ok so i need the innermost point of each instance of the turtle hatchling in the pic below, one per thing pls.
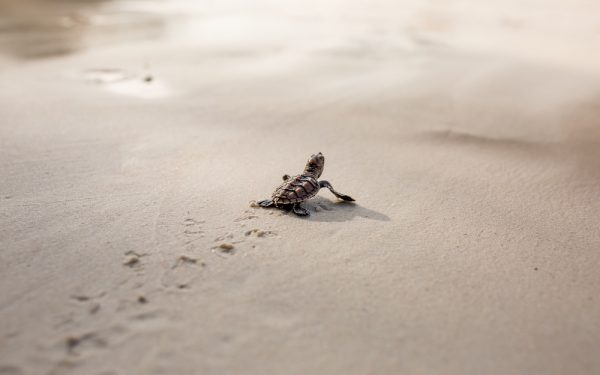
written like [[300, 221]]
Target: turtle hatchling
[[296, 189]]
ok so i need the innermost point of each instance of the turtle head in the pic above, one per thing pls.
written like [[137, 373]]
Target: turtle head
[[315, 165]]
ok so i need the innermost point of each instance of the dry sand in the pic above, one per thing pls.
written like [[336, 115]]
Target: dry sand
[[133, 136]]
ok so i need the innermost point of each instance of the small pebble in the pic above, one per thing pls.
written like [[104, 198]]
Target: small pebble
[[142, 299], [148, 79]]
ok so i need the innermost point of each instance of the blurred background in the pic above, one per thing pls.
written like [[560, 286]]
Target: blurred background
[[535, 29]]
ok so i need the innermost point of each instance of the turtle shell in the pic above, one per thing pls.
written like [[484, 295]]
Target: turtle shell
[[296, 189]]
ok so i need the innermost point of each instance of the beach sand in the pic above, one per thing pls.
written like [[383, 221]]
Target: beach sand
[[134, 136]]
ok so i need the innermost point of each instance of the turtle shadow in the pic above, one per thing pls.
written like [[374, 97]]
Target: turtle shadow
[[325, 210]]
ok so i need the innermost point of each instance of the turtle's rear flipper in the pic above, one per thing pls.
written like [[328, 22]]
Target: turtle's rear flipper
[[265, 203], [326, 184], [299, 210]]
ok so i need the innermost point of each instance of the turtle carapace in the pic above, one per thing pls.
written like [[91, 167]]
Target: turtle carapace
[[296, 189]]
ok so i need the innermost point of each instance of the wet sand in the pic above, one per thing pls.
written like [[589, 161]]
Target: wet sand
[[468, 134]]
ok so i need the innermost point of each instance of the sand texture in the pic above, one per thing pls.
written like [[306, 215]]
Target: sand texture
[[134, 135]]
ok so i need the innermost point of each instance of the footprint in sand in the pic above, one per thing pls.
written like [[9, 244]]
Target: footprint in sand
[[75, 347], [229, 243], [224, 248], [183, 272], [91, 340], [193, 225], [90, 301], [227, 236], [133, 259], [193, 230], [247, 215], [259, 233]]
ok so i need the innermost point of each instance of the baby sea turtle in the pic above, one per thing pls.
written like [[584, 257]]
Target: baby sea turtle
[[296, 189]]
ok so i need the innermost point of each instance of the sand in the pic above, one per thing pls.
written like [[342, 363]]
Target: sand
[[134, 136]]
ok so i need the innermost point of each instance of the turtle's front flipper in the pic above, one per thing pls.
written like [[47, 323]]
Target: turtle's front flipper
[[266, 203], [299, 210], [326, 184]]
